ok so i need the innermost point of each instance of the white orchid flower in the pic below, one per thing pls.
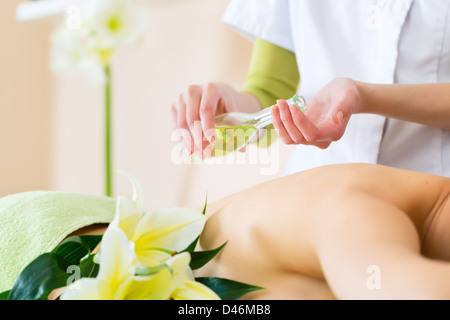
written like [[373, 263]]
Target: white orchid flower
[[114, 22], [104, 26], [73, 52]]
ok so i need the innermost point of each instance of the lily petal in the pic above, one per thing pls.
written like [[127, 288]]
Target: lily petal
[[170, 228], [117, 258], [158, 287], [83, 289], [150, 257], [127, 215], [179, 264], [137, 190], [193, 290]]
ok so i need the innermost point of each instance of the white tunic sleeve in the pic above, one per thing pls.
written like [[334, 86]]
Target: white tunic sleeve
[[266, 19]]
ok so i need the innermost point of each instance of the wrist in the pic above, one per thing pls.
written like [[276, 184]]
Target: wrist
[[364, 101]]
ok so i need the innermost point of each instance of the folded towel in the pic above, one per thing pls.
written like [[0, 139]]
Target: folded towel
[[33, 223]]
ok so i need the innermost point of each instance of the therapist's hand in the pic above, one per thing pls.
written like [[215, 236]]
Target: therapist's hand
[[325, 118], [196, 108]]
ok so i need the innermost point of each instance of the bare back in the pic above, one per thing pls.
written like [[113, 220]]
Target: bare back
[[282, 234]]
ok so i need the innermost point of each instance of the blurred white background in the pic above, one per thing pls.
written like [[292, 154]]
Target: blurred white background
[[51, 127]]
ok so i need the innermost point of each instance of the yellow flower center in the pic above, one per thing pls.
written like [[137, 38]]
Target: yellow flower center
[[114, 24]]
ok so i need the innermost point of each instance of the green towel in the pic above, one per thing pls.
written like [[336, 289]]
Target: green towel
[[33, 223]]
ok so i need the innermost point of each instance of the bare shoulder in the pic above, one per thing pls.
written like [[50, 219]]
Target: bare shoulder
[[395, 185], [271, 214]]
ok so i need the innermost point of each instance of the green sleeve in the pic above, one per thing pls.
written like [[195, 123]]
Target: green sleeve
[[273, 75]]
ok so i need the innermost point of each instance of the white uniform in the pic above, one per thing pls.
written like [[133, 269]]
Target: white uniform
[[384, 41]]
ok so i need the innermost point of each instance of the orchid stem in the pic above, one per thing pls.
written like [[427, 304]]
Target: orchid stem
[[108, 143]]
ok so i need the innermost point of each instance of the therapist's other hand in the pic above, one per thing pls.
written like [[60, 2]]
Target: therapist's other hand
[[195, 110], [325, 118]]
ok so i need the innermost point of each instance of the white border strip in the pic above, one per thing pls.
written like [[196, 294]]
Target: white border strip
[[32, 10]]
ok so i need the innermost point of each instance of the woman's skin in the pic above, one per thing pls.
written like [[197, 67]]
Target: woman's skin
[[352, 231], [328, 232], [325, 118]]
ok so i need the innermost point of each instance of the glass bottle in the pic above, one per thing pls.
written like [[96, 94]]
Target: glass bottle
[[234, 130]]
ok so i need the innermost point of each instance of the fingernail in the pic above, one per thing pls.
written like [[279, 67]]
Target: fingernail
[[339, 116]]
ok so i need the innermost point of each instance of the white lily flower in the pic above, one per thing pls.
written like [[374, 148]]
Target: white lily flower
[[186, 286], [157, 233], [170, 229], [116, 279], [139, 256]]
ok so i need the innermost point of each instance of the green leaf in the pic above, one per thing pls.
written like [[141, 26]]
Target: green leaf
[[44, 274], [228, 289], [74, 249], [200, 258], [4, 295], [88, 268], [192, 246]]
